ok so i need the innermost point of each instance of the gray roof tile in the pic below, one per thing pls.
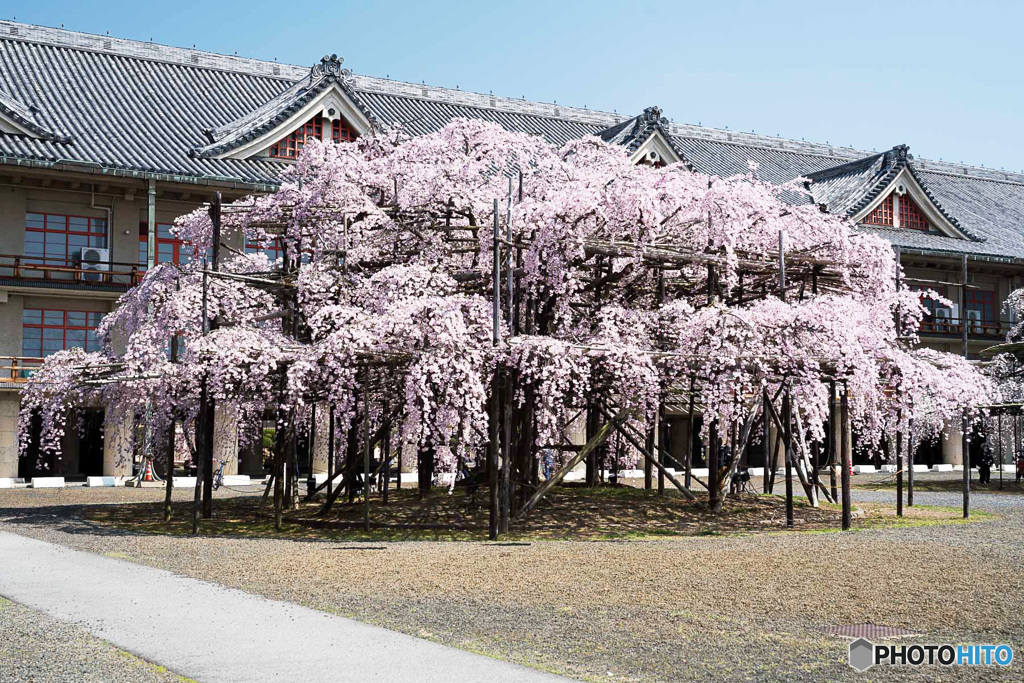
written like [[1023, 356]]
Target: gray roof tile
[[143, 108]]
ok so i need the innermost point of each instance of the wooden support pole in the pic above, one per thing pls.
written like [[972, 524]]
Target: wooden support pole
[[999, 427], [910, 463], [833, 420], [787, 443], [648, 466], [766, 440], [311, 451], [279, 464], [662, 445], [366, 449], [899, 465], [844, 447], [714, 448], [331, 437], [649, 456], [506, 455], [206, 400], [965, 444], [492, 460], [386, 462], [169, 469], [691, 422], [593, 442]]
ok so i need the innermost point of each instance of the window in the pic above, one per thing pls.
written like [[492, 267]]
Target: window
[[910, 215], [881, 215], [983, 302], [291, 145], [57, 239], [273, 249], [46, 331], [169, 249]]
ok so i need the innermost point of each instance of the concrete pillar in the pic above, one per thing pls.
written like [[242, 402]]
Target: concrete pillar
[[117, 452], [225, 437], [321, 445], [952, 446], [9, 435]]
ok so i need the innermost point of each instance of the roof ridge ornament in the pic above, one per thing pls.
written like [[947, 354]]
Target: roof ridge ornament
[[330, 65], [902, 153], [653, 115]]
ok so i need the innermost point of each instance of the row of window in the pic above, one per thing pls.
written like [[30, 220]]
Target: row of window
[[46, 331], [981, 301], [290, 146], [909, 213], [59, 240]]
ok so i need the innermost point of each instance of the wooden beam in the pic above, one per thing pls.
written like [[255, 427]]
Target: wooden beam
[[596, 440]]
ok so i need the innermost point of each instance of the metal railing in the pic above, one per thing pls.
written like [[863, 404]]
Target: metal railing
[[988, 329], [18, 368], [32, 269]]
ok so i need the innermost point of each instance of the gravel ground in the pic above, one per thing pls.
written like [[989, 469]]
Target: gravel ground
[[37, 648], [712, 609]]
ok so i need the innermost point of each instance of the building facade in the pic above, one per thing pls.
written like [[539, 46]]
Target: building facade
[[103, 142]]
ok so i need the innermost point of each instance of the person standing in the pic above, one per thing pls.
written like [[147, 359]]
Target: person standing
[[985, 466]]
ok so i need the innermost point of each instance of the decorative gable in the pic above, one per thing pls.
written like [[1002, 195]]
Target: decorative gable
[[324, 106], [884, 190], [898, 212], [905, 204], [317, 127], [646, 138]]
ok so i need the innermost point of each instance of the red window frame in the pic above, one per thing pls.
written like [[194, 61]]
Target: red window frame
[[54, 324], [176, 247], [273, 250], [981, 300], [290, 145], [881, 214], [911, 216], [61, 237]]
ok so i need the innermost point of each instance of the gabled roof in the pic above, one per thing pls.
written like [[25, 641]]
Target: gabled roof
[[22, 119], [851, 188], [635, 133], [261, 121]]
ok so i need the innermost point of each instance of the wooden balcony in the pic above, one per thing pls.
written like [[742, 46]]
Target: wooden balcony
[[18, 368], [32, 270], [953, 327]]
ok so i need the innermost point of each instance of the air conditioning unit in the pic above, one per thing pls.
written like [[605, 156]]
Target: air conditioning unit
[[94, 262]]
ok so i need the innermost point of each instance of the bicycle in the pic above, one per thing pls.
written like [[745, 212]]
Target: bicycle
[[218, 476]]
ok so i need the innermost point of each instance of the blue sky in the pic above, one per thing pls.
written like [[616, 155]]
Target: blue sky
[[943, 77]]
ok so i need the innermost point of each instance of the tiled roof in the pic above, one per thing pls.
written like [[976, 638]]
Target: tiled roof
[[634, 132], [279, 109], [850, 188], [144, 109]]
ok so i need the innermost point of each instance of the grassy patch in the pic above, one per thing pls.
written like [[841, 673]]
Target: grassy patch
[[571, 512]]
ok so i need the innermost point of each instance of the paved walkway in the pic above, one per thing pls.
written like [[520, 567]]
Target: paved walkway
[[211, 633]]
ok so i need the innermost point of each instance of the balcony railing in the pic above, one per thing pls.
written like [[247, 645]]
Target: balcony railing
[[37, 269], [953, 327], [18, 368]]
